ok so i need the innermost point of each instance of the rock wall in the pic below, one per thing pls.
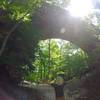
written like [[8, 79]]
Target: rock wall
[[37, 92], [47, 91]]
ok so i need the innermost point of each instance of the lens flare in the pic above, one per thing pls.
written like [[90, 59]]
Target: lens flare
[[80, 8]]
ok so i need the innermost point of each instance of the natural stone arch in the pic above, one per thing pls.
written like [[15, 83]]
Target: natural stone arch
[[55, 22]]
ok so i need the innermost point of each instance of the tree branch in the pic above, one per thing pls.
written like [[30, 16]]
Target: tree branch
[[9, 34]]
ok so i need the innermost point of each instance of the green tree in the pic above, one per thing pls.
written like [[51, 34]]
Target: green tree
[[74, 61], [16, 46], [55, 57], [47, 59]]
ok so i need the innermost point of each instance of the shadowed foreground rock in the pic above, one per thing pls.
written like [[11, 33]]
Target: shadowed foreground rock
[[11, 92], [91, 87]]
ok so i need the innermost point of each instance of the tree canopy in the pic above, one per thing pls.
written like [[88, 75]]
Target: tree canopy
[[16, 39]]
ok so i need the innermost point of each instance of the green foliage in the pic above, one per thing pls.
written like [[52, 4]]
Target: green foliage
[[75, 61], [20, 47], [62, 58], [16, 8], [42, 63]]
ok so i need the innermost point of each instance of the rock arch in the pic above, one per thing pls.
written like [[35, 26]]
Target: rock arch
[[55, 22]]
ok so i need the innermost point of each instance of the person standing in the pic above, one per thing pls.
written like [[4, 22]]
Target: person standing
[[58, 86]]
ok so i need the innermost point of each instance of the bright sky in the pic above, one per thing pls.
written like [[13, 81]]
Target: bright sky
[[80, 8]]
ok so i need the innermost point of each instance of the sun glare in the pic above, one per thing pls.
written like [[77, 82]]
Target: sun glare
[[80, 8]]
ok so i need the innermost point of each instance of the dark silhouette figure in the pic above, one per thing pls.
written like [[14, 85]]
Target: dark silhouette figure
[[58, 86]]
